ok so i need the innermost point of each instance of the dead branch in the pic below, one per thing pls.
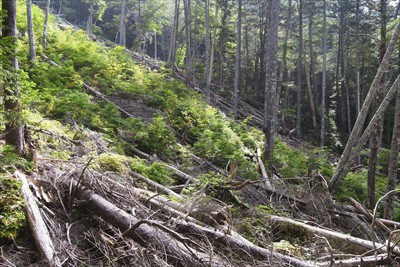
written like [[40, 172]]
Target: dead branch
[[179, 253], [157, 186], [37, 225]]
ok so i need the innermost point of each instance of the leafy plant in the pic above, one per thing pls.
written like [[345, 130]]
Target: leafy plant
[[156, 171]]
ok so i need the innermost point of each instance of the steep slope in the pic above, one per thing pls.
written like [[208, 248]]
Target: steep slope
[[130, 168]]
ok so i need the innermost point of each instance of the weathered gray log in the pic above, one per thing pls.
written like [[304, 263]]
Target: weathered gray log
[[238, 242], [179, 254], [37, 225], [157, 186], [370, 261], [333, 236]]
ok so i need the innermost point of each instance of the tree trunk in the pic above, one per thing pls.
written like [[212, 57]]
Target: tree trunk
[[323, 89], [238, 61], [270, 105], [122, 25], [393, 161], [340, 171], [207, 52], [31, 34], [311, 76], [299, 72], [172, 46], [89, 24], [14, 130], [222, 42], [46, 20], [188, 34], [376, 136]]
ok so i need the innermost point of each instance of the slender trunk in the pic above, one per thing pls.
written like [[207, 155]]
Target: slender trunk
[[283, 76], [188, 55], [323, 89], [207, 55], [212, 43], [341, 171], [89, 25], [310, 94], [312, 75], [172, 47], [376, 136], [237, 63], [31, 34], [155, 44], [299, 72], [393, 161], [222, 43], [270, 105], [12, 104], [122, 24], [46, 20]]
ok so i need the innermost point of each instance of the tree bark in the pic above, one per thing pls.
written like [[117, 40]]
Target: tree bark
[[14, 133], [270, 101], [299, 72], [188, 34], [323, 86], [236, 82], [393, 161], [31, 34], [172, 46], [208, 47], [46, 22], [122, 25]]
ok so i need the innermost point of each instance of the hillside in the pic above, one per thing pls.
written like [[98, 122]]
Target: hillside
[[129, 167]]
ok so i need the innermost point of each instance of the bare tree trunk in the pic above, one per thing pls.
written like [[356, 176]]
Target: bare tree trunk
[[376, 136], [393, 161], [31, 34], [340, 171], [46, 20], [310, 93], [188, 34], [89, 24], [323, 89], [299, 72], [270, 105], [172, 46], [237, 62], [283, 74], [122, 25], [12, 104], [207, 55]]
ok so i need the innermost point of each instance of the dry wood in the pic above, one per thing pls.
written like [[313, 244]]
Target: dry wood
[[336, 237], [178, 252], [157, 186], [368, 215], [264, 174], [239, 243], [370, 261], [37, 225]]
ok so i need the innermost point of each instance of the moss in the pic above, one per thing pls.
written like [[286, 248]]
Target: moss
[[111, 162], [12, 217], [156, 171]]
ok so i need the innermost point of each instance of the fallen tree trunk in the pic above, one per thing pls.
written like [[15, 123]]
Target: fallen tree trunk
[[358, 244], [370, 261], [238, 242], [37, 225], [178, 252]]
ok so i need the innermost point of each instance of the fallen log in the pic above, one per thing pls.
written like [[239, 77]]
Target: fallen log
[[370, 261], [179, 253], [355, 243], [238, 242], [37, 225], [157, 186]]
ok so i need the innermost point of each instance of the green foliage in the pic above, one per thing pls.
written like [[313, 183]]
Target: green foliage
[[355, 185], [156, 171], [8, 158], [292, 161], [12, 217], [111, 162]]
